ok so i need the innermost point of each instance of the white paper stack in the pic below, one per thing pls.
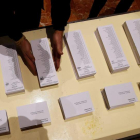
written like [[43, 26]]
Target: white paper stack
[[10, 69], [4, 125], [44, 63], [119, 95], [132, 30], [75, 105], [111, 48], [81, 60], [33, 115]]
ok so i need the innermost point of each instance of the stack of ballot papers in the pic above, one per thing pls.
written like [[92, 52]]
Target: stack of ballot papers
[[79, 55], [75, 105], [44, 62], [4, 125], [132, 30], [111, 48], [32, 115], [10, 69], [119, 95]]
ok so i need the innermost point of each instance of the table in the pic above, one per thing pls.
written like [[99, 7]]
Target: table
[[102, 124]]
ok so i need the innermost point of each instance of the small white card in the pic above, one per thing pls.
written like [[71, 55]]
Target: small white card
[[121, 94], [10, 69], [112, 48], [75, 105], [33, 115], [4, 126], [80, 55], [44, 62]]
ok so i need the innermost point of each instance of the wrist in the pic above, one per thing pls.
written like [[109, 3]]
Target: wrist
[[18, 43], [59, 33]]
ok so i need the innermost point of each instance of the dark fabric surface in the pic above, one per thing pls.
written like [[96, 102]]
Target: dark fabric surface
[[17, 16], [123, 6]]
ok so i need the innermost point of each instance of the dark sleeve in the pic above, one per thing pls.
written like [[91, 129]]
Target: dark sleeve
[[60, 13], [8, 24]]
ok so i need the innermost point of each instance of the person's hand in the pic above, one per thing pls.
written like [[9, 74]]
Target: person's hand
[[25, 51], [56, 43]]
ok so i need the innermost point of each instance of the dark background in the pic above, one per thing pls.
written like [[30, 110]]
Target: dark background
[[80, 10]]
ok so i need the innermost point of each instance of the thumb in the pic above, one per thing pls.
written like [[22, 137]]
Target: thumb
[[59, 49], [30, 56]]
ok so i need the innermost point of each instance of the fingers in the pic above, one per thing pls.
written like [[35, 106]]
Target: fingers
[[56, 58], [30, 65], [57, 61], [57, 52], [59, 49], [30, 55], [57, 46]]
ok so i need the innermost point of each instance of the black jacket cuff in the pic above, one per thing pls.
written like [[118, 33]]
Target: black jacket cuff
[[15, 36], [60, 28]]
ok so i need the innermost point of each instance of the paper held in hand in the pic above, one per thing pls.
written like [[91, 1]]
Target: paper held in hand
[[44, 62]]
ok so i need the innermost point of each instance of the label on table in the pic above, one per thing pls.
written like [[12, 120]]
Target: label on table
[[44, 62], [120, 94], [80, 54], [11, 69], [77, 104], [112, 47], [134, 29], [33, 114], [4, 127]]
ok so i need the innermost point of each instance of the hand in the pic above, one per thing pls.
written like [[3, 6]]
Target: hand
[[56, 43], [25, 51]]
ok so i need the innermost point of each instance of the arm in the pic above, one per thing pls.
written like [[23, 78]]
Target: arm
[[8, 25], [60, 13]]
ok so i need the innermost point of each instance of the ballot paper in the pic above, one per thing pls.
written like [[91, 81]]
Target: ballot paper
[[33, 115], [4, 125], [132, 30], [119, 95], [111, 48], [79, 55], [10, 69], [75, 105], [44, 63]]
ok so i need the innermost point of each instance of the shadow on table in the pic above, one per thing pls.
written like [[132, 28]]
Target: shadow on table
[[37, 132]]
